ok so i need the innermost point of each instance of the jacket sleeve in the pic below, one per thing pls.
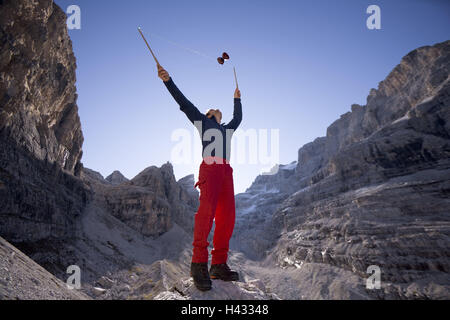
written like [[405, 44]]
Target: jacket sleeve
[[237, 115], [186, 106]]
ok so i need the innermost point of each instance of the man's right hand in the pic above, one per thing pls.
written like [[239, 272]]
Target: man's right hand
[[163, 74]]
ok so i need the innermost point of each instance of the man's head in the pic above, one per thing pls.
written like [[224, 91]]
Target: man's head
[[214, 113]]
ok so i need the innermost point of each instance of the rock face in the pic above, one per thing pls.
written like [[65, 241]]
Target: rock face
[[40, 131], [187, 183], [37, 82], [254, 232], [116, 178], [150, 203], [374, 191], [23, 279]]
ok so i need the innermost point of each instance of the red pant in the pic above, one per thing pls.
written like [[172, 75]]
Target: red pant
[[216, 203]]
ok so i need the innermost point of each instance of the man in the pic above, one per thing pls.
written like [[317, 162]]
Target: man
[[216, 187]]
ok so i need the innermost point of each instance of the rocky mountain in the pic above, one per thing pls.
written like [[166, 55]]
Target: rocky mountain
[[187, 183], [150, 203], [254, 232], [40, 131], [374, 191], [37, 83], [116, 178]]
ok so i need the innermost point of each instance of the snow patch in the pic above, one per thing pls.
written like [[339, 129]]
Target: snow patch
[[248, 210], [291, 166], [404, 118]]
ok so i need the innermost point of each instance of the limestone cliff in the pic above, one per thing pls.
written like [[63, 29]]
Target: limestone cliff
[[116, 178], [37, 82], [374, 191], [40, 131], [150, 203]]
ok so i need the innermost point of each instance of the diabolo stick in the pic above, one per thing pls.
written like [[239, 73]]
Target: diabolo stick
[[235, 78], [151, 51]]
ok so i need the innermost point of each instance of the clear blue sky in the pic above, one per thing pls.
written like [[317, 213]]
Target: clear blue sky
[[301, 64]]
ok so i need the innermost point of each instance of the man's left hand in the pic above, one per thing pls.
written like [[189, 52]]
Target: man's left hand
[[237, 93]]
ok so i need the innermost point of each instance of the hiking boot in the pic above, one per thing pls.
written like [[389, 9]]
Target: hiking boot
[[223, 272], [199, 271]]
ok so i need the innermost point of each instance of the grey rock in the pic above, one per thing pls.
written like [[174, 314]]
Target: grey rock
[[254, 232], [221, 290], [374, 191], [90, 176], [105, 282], [41, 195], [97, 291], [21, 278], [37, 83], [116, 178], [150, 203], [187, 183]]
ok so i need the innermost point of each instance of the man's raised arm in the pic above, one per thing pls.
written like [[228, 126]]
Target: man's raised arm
[[185, 105], [237, 113]]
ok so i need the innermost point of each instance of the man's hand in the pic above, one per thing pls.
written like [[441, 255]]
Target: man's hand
[[163, 74], [237, 93]]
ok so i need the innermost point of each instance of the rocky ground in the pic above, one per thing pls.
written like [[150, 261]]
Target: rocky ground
[[221, 290], [23, 279]]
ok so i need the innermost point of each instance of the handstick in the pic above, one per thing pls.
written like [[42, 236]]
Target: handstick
[[235, 78], [151, 51]]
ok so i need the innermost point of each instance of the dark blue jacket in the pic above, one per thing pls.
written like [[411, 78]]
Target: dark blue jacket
[[197, 118]]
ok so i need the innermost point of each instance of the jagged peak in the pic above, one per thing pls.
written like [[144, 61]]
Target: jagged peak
[[401, 75], [188, 177], [116, 178]]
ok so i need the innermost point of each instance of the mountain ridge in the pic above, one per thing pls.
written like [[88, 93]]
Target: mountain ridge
[[384, 167]]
